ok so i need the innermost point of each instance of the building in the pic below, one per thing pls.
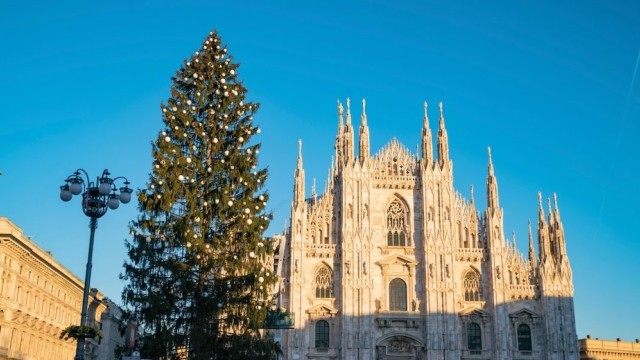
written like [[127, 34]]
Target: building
[[112, 327], [391, 262], [596, 349], [38, 299]]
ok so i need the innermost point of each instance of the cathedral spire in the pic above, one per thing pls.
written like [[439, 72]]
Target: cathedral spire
[[443, 142], [364, 149], [532, 252], [492, 186], [348, 137], [552, 218], [299, 163], [540, 210], [340, 113], [473, 199], [559, 233], [348, 112], [339, 145], [314, 195], [427, 142], [298, 184], [556, 211], [494, 212], [543, 233]]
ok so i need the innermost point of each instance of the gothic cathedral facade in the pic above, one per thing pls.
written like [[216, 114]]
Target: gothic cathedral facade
[[391, 262]]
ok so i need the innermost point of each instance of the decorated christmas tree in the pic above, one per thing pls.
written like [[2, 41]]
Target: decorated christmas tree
[[196, 281]]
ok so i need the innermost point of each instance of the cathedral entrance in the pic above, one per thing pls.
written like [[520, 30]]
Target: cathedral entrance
[[398, 347]]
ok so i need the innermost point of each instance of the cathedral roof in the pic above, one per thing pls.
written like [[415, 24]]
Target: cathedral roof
[[394, 156]]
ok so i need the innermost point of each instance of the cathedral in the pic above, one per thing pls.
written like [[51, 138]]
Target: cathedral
[[391, 262]]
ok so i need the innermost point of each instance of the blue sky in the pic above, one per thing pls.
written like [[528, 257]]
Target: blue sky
[[548, 85]]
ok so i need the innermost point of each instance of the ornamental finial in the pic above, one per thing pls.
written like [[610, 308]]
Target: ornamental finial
[[540, 199], [472, 196]]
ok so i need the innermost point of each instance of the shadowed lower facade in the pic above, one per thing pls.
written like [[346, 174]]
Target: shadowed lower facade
[[391, 262]]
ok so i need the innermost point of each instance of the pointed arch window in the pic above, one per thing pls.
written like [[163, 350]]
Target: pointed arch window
[[323, 282], [397, 295], [397, 223], [322, 334], [472, 286], [524, 337], [474, 338]]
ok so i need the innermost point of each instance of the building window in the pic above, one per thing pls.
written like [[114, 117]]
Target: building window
[[472, 286], [397, 221], [397, 295], [322, 334], [474, 338], [524, 337], [323, 282]]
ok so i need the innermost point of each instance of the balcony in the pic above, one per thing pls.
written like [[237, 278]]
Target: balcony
[[321, 250]]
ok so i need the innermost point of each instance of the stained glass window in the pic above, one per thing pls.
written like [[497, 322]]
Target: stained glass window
[[397, 295], [524, 337], [474, 337], [322, 334], [323, 282]]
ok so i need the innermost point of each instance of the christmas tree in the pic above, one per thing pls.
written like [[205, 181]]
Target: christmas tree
[[196, 280]]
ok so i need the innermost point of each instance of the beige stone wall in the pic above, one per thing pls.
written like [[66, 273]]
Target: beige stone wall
[[38, 299], [595, 349]]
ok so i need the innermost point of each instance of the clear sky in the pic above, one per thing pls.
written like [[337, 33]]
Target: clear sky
[[549, 85]]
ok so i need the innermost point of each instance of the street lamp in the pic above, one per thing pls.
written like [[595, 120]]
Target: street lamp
[[97, 198]]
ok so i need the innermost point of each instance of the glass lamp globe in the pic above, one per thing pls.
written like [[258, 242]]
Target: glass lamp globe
[[76, 186], [125, 195], [113, 201], [105, 186], [65, 194]]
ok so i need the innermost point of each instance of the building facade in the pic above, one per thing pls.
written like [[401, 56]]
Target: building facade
[[38, 299], [112, 327], [391, 262], [596, 349]]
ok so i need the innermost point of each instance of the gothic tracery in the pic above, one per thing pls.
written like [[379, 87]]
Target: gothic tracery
[[397, 224], [323, 282], [472, 286]]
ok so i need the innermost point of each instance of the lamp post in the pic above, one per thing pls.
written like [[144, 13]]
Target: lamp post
[[97, 198]]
